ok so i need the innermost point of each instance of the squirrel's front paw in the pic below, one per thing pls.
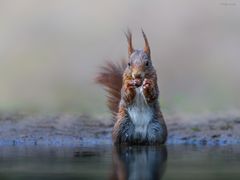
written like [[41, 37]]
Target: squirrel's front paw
[[129, 91], [148, 84], [148, 89]]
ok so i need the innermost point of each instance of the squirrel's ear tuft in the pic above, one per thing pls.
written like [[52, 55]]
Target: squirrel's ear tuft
[[129, 39], [146, 46]]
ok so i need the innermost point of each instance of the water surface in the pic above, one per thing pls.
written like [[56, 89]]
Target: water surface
[[107, 162]]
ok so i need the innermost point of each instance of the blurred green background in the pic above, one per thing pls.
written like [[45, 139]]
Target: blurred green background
[[50, 52]]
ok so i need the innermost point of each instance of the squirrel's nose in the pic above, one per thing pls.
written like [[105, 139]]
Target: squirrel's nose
[[137, 75]]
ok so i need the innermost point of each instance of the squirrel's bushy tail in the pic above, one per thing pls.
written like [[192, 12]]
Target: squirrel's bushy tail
[[110, 76]]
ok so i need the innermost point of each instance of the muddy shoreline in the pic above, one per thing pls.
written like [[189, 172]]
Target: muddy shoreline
[[82, 130]]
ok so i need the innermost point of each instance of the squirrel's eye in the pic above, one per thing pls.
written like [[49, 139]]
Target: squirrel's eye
[[147, 63], [129, 64]]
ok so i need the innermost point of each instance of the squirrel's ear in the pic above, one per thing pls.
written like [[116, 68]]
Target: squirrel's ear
[[146, 46], [129, 39]]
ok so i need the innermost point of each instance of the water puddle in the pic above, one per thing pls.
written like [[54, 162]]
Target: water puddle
[[108, 162]]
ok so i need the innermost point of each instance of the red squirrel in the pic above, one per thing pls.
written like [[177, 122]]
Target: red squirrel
[[133, 98]]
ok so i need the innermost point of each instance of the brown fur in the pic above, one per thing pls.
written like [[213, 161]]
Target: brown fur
[[123, 82], [129, 39], [110, 76]]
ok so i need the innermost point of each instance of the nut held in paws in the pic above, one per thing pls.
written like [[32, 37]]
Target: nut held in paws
[[137, 82]]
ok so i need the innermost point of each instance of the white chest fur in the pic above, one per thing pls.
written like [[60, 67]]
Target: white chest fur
[[140, 113]]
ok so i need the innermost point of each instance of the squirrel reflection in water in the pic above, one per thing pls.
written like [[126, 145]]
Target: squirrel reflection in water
[[139, 162]]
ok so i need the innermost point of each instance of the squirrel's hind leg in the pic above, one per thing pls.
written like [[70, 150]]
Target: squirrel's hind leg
[[156, 132], [123, 131]]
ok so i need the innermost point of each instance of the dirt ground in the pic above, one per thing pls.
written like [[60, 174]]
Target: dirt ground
[[80, 130]]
